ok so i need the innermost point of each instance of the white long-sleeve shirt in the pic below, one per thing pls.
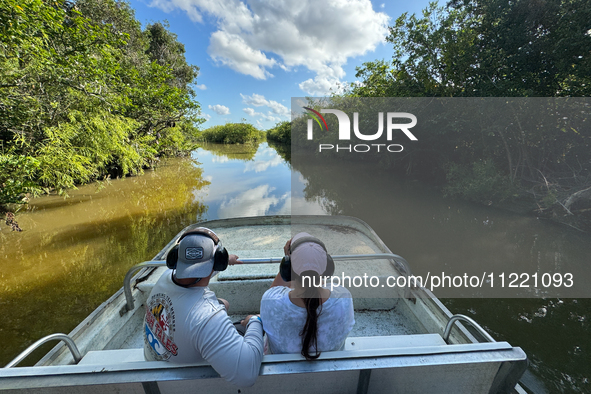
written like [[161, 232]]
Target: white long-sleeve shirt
[[188, 325]]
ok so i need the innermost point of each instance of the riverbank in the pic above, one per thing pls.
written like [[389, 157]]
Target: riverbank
[[131, 101]]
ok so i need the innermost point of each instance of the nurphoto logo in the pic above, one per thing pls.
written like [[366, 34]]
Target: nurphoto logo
[[345, 130]]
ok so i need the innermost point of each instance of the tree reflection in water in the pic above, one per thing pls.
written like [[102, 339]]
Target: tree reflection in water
[[441, 234], [74, 253]]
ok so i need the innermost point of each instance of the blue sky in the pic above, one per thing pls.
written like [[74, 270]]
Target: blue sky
[[255, 55]]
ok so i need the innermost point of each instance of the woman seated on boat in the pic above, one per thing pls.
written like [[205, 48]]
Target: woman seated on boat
[[299, 315]]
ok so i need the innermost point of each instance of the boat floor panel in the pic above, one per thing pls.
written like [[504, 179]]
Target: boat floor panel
[[367, 324], [380, 323]]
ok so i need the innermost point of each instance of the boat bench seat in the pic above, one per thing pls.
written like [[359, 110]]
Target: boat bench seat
[[353, 345], [414, 364]]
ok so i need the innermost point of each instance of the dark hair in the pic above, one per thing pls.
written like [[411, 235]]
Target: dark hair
[[312, 301]]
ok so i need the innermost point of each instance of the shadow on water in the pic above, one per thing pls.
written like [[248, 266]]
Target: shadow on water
[[70, 260]]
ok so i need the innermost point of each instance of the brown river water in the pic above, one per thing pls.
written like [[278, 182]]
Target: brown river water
[[74, 252]]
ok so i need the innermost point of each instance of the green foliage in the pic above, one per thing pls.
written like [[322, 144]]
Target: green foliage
[[233, 133], [165, 50], [482, 182], [495, 48], [179, 140], [280, 133], [16, 174], [378, 80], [84, 92], [486, 48], [86, 148]]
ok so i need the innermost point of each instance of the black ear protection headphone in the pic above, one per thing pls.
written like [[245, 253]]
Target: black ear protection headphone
[[220, 257], [285, 265]]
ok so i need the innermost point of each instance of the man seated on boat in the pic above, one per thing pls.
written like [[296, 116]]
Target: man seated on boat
[[186, 323], [299, 314]]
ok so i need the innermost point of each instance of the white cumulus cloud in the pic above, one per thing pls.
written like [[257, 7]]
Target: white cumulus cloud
[[251, 112], [254, 36], [220, 109], [201, 87], [231, 50], [322, 86], [258, 100]]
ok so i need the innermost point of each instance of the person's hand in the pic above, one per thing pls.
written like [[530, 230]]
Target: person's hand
[[246, 319], [233, 260], [286, 248]]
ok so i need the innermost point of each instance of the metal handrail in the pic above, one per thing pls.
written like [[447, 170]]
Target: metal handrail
[[127, 280], [63, 337], [343, 257], [466, 319], [399, 259], [257, 260]]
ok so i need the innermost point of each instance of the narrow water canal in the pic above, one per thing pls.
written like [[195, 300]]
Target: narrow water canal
[[74, 252]]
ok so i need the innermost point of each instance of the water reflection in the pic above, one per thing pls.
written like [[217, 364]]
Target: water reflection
[[265, 158], [74, 253], [555, 333], [259, 201], [225, 152], [436, 234], [244, 183]]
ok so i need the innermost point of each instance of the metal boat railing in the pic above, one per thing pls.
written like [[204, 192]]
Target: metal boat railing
[[466, 319], [268, 260], [62, 337], [127, 280]]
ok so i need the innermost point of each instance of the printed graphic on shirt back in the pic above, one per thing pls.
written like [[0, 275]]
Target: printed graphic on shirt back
[[159, 326]]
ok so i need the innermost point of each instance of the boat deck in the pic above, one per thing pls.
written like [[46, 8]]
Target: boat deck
[[367, 324]]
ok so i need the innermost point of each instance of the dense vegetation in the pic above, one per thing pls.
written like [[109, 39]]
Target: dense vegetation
[[495, 48], [281, 133], [233, 133], [85, 93]]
